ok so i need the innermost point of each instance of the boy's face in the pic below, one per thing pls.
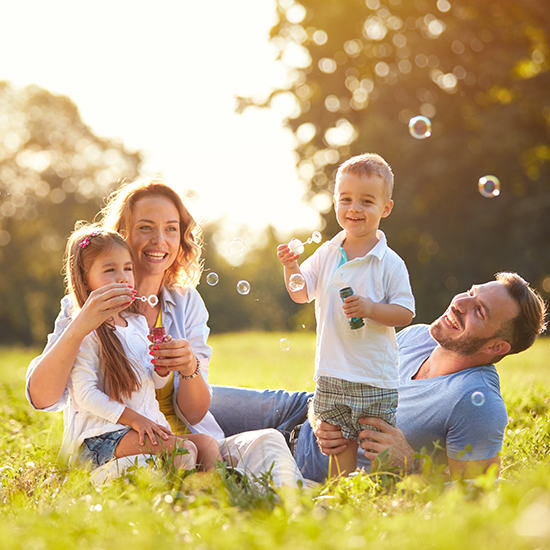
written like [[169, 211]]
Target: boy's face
[[360, 202]]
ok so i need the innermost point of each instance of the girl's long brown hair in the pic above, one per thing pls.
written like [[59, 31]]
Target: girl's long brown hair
[[120, 378]]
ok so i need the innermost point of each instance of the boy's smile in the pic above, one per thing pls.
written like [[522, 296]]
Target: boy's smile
[[360, 202]]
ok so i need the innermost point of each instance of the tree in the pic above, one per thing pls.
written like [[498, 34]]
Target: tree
[[53, 171], [479, 71]]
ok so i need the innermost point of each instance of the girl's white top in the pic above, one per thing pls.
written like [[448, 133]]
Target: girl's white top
[[94, 412]]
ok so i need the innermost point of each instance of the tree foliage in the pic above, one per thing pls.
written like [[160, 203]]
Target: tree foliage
[[479, 70], [53, 171]]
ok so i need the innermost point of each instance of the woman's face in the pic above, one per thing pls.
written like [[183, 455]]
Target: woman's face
[[154, 235]]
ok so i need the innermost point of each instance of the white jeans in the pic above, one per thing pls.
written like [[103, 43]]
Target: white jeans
[[261, 451], [255, 452]]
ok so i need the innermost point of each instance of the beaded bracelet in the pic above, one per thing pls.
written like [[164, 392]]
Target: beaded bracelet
[[183, 377]]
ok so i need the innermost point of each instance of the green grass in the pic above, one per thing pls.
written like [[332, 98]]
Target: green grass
[[43, 506]]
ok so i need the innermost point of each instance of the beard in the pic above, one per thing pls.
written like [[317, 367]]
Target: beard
[[466, 346]]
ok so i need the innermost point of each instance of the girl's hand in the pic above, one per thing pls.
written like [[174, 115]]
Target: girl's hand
[[286, 256], [103, 303], [143, 426], [173, 354], [358, 306]]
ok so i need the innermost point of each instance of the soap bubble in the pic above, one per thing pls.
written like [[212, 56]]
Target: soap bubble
[[243, 287], [236, 247], [296, 282], [296, 246], [489, 186], [420, 127], [284, 344], [316, 237], [212, 279], [478, 398]]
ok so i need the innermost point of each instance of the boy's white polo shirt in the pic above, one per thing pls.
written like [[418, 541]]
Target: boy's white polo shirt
[[368, 354]]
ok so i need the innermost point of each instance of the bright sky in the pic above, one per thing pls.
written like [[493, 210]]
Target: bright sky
[[163, 77]]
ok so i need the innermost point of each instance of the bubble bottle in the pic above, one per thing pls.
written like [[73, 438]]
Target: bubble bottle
[[354, 322], [158, 334]]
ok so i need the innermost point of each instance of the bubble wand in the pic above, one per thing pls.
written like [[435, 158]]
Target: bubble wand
[[297, 246]]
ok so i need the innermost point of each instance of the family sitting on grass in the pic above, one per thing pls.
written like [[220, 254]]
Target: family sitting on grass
[[125, 396]]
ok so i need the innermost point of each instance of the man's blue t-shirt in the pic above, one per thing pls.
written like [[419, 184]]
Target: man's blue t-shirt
[[463, 411]]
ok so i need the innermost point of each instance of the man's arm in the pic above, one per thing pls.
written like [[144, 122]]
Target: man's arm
[[401, 453]]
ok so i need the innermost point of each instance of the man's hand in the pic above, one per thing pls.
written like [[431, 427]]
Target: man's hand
[[389, 437]]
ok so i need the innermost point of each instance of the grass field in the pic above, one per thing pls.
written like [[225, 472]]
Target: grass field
[[45, 507]]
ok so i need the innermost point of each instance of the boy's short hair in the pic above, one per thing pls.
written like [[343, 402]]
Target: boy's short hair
[[368, 164]]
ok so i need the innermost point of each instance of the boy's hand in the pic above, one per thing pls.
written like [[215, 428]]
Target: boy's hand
[[358, 306], [286, 256]]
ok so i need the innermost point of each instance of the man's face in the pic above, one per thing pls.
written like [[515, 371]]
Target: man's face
[[473, 318]]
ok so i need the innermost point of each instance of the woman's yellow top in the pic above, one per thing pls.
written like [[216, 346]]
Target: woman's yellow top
[[165, 397]]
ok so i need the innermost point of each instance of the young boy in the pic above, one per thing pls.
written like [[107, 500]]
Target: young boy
[[356, 370]]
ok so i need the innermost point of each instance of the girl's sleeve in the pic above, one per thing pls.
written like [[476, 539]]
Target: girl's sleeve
[[84, 384], [61, 323]]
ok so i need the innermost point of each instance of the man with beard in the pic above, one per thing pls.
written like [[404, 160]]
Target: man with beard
[[449, 394]]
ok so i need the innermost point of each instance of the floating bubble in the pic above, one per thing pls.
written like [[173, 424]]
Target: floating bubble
[[243, 287], [212, 279], [478, 398], [420, 127], [296, 282], [236, 247], [284, 344], [489, 186]]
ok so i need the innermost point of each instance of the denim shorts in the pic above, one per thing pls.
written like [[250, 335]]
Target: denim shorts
[[98, 450]]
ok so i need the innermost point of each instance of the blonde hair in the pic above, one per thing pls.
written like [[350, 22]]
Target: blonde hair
[[368, 164], [187, 268], [85, 245]]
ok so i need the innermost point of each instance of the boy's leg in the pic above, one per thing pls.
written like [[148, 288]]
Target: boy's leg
[[344, 463], [240, 410]]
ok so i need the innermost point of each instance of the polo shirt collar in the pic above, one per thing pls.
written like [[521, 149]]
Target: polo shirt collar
[[378, 250]]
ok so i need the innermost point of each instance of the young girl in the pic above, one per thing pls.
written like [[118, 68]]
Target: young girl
[[112, 384]]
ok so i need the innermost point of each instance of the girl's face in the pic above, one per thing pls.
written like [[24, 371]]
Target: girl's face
[[113, 266], [154, 235]]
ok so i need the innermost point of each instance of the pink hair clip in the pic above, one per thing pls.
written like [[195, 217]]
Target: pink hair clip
[[86, 241]]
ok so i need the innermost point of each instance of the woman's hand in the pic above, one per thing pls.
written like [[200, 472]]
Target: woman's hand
[[143, 426], [173, 354], [103, 303]]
